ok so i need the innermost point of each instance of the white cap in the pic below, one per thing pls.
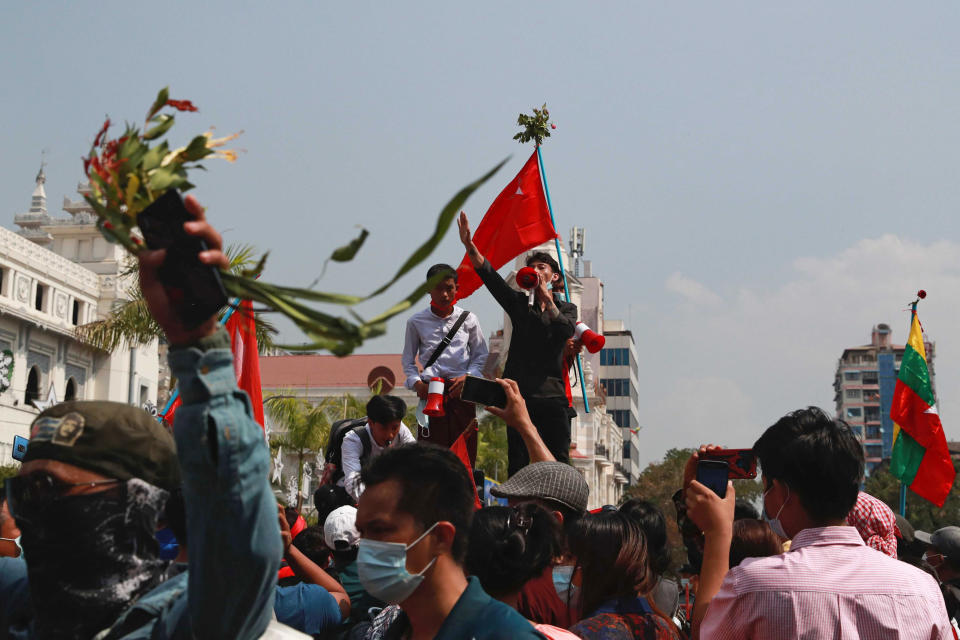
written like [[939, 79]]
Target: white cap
[[341, 524]]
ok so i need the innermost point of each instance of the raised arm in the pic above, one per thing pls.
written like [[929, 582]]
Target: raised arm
[[310, 571], [516, 416], [234, 545], [501, 291]]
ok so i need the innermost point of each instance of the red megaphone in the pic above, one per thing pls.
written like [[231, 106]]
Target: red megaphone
[[434, 407], [528, 278], [592, 340]]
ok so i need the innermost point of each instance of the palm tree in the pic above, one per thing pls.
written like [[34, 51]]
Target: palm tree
[[304, 428]]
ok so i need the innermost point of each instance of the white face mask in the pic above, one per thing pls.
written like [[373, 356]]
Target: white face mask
[[382, 569], [775, 525]]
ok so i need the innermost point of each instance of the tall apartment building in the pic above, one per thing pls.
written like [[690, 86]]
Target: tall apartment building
[[863, 386], [619, 378]]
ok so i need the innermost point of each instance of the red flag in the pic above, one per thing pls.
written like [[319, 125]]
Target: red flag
[[246, 357], [518, 220], [459, 448], [172, 411]]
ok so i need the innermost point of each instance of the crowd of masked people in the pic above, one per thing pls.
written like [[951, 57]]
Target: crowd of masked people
[[118, 527]]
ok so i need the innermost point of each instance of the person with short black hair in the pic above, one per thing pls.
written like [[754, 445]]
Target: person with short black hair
[[509, 546], [536, 352], [414, 518], [812, 468], [384, 429], [449, 344]]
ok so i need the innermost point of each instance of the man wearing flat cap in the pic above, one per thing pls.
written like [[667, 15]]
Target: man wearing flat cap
[[97, 475]]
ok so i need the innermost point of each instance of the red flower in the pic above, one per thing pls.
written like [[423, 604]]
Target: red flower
[[921, 294], [103, 130], [181, 105]]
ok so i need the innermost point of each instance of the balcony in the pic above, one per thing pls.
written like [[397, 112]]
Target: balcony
[[30, 218]]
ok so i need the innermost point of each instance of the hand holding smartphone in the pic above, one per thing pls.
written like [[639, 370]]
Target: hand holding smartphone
[[486, 393], [742, 463], [714, 475], [195, 290]]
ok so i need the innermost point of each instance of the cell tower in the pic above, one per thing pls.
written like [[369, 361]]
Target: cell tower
[[576, 249]]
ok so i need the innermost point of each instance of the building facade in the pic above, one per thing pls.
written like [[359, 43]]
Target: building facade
[[57, 274], [619, 377], [863, 385]]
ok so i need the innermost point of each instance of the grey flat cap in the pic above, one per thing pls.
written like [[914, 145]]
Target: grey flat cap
[[547, 481]]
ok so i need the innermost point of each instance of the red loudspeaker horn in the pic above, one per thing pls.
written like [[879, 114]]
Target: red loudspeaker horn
[[592, 340], [528, 278], [434, 407]]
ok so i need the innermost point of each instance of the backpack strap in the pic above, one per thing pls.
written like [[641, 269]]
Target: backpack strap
[[445, 342], [364, 436]]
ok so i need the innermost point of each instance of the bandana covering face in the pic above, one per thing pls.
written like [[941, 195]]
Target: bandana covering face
[[91, 556]]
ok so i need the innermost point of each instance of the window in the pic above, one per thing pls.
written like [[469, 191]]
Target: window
[[76, 312], [871, 414], [851, 375], [38, 301], [616, 386], [626, 449], [854, 412], [71, 391], [853, 394], [33, 386], [874, 450], [858, 431], [873, 432], [621, 417], [1, 280], [615, 357], [870, 377]]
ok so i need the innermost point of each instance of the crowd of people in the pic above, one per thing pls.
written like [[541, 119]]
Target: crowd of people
[[118, 527]]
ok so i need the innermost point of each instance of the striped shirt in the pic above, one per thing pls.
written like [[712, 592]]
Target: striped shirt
[[830, 585]]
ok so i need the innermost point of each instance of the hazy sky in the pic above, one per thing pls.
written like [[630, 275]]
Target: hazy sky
[[760, 184]]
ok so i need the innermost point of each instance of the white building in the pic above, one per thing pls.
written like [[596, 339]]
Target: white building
[[56, 274]]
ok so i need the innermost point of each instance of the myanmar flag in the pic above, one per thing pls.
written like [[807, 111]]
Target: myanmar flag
[[920, 457]]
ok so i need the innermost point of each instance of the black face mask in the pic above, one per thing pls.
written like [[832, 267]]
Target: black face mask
[[91, 556]]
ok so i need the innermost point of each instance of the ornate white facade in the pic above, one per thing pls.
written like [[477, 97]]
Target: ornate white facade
[[56, 274]]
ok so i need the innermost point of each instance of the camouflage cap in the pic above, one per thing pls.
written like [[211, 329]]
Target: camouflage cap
[[114, 439]]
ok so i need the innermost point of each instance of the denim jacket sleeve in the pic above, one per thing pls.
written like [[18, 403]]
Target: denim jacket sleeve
[[233, 539]]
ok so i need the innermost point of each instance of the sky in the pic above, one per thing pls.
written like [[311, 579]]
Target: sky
[[760, 183]]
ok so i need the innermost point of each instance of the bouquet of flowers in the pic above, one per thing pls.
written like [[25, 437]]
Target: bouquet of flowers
[[129, 173]]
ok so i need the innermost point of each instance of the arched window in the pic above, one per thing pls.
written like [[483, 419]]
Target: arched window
[[33, 386], [71, 392]]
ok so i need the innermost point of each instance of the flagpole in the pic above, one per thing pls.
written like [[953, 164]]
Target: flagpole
[[903, 487], [234, 304], [563, 275]]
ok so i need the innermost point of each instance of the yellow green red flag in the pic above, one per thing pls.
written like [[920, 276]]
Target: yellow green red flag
[[920, 457]]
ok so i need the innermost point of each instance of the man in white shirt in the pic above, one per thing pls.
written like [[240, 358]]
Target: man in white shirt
[[384, 429], [466, 354]]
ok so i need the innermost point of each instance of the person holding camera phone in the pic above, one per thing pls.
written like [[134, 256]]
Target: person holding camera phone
[[97, 475], [830, 583], [449, 343], [536, 358]]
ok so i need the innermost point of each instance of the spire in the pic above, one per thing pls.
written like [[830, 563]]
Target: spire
[[38, 202], [31, 221]]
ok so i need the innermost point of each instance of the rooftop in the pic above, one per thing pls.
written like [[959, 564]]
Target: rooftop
[[324, 371]]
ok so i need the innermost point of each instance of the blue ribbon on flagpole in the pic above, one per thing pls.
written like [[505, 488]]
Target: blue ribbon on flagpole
[[234, 304], [563, 274]]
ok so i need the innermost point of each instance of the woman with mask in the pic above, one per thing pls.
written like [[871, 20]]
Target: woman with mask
[[612, 559], [509, 546]]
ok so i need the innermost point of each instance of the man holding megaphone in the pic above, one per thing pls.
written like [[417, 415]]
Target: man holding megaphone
[[449, 344], [536, 352]]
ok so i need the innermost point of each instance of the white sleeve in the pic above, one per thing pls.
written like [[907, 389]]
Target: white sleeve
[[411, 345], [478, 349], [404, 436], [350, 452]]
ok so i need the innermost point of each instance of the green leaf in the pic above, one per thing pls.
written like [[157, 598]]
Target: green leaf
[[196, 150], [446, 217], [161, 100], [167, 177], [153, 157], [166, 121]]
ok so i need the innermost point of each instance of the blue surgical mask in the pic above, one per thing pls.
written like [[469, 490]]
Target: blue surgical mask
[[562, 583], [775, 525], [382, 569]]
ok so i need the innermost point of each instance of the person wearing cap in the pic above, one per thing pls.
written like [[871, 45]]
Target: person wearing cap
[[943, 556], [97, 474], [340, 534], [830, 584]]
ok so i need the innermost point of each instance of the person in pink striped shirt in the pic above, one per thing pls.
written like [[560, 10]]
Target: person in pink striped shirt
[[830, 584]]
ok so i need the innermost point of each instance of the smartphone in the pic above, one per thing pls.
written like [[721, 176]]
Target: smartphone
[[742, 462], [486, 393], [19, 447], [714, 475], [195, 290]]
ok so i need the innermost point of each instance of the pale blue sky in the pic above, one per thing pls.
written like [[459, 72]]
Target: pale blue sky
[[760, 182]]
